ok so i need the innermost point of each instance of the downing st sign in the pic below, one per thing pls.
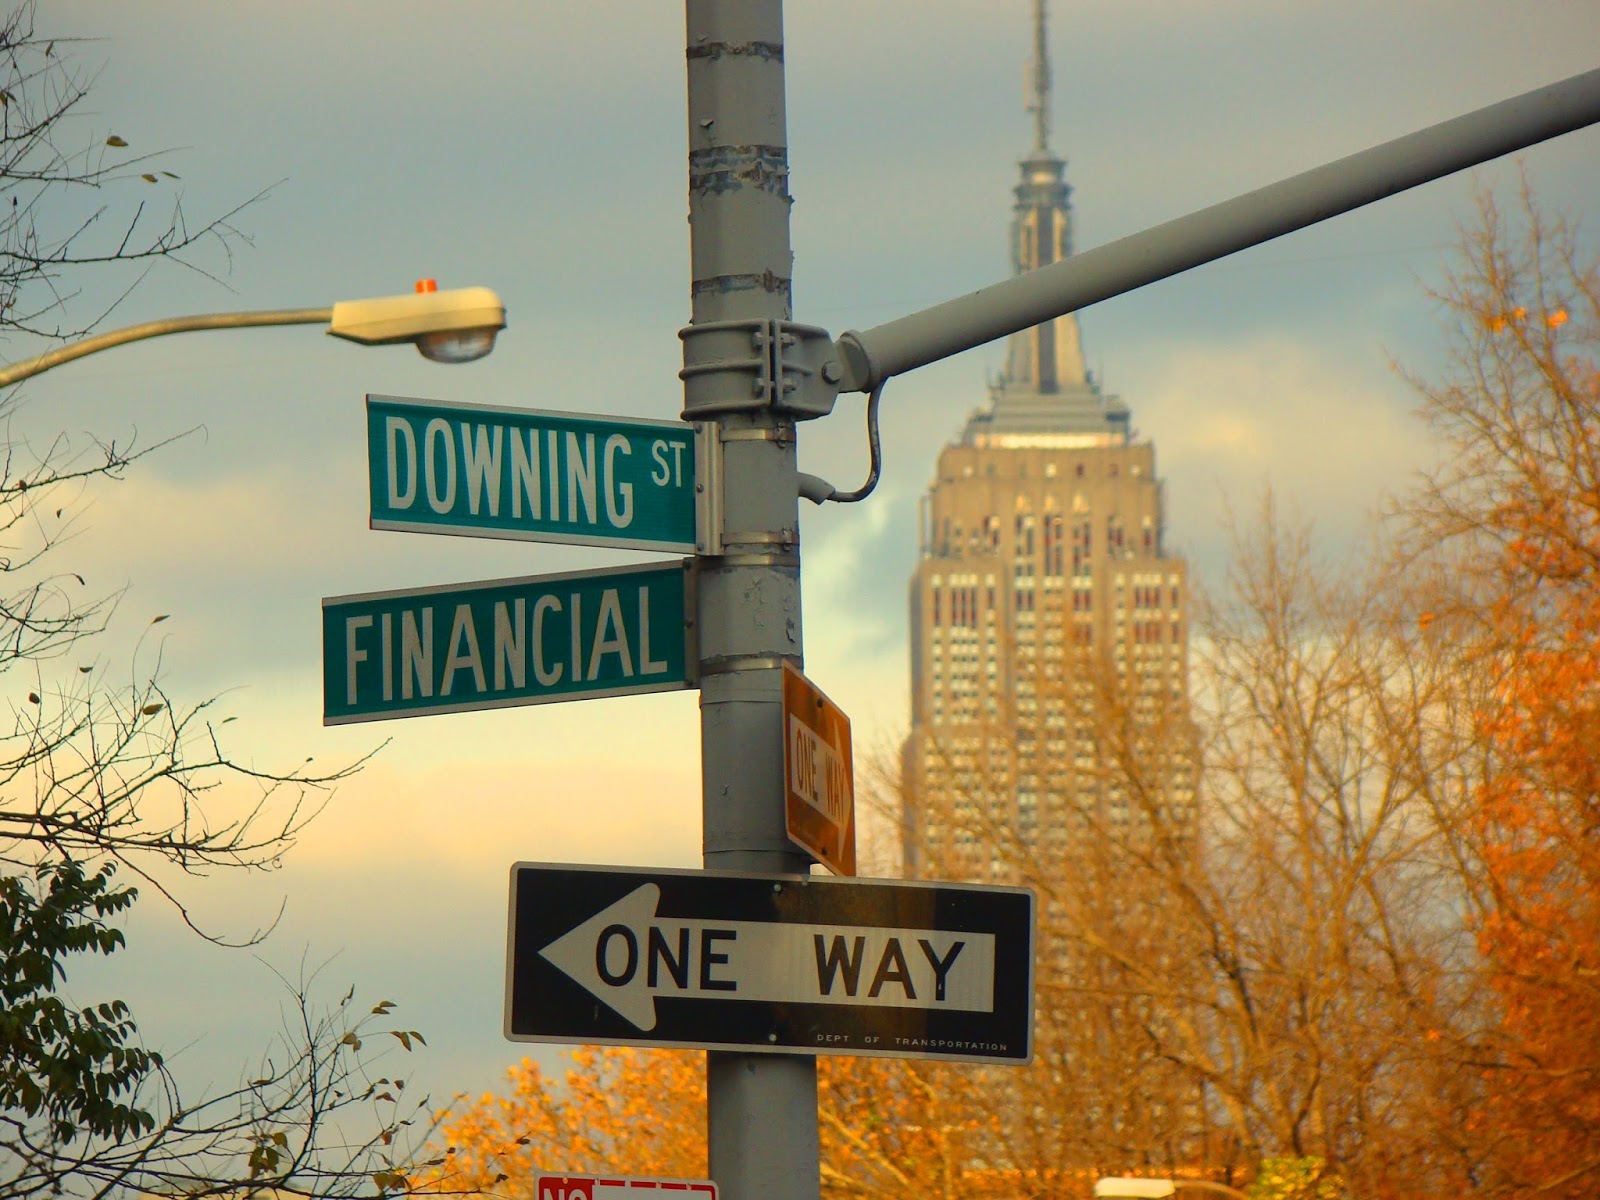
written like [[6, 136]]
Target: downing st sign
[[436, 466]]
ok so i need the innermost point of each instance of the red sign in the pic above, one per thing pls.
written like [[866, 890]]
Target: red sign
[[819, 788], [602, 1187]]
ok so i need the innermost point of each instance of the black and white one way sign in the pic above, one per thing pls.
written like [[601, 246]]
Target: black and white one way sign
[[770, 962]]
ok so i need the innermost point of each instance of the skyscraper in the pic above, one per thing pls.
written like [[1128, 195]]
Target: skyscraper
[[1042, 578]]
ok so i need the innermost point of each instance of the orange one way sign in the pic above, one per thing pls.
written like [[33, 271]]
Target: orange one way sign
[[819, 772]]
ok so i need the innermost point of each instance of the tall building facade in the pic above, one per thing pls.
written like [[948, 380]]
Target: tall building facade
[[1042, 578]]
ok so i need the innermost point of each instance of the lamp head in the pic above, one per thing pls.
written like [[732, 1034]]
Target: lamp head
[[453, 326]]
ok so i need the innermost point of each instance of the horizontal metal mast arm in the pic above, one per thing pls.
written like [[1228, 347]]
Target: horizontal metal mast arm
[[1023, 301], [150, 329]]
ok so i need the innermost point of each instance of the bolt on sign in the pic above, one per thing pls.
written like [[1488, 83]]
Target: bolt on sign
[[607, 1187], [819, 771], [506, 642], [795, 964], [436, 466]]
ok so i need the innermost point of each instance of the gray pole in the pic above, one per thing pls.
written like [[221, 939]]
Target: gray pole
[[761, 1108], [1073, 283]]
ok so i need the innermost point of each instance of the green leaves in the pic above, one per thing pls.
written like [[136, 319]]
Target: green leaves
[[75, 1067]]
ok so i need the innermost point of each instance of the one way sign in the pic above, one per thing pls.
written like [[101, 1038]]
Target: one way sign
[[788, 963]]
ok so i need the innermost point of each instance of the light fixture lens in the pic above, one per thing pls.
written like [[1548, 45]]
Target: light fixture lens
[[456, 345]]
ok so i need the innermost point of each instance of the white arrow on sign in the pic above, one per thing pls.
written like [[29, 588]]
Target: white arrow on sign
[[626, 956]]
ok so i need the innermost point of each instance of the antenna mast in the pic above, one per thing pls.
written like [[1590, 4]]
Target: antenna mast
[[1039, 103]]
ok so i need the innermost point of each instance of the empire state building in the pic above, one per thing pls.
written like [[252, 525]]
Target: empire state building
[[1042, 579]]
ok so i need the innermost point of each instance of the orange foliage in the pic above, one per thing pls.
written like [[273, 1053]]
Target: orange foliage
[[1539, 825], [898, 1127], [1527, 425], [639, 1112], [889, 1128]]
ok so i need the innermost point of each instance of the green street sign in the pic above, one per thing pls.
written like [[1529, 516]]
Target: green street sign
[[487, 471], [506, 642]]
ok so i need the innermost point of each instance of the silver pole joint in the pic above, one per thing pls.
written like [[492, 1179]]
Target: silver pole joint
[[729, 664], [781, 366]]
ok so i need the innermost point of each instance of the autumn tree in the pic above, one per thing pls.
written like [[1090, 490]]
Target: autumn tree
[[1256, 957], [1254, 954], [889, 1128], [614, 1108], [1518, 501], [1375, 947]]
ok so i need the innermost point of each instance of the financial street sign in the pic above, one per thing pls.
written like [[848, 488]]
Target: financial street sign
[[784, 963], [506, 642], [608, 1187], [819, 774], [485, 471]]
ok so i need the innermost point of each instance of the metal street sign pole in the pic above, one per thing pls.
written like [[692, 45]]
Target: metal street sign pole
[[761, 1108]]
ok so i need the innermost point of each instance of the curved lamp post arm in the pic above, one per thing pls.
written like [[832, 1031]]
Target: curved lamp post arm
[[151, 329], [451, 326]]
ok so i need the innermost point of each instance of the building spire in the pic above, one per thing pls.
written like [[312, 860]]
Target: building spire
[[1047, 358], [1045, 389], [1039, 81]]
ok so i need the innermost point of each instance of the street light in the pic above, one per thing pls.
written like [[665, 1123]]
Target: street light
[[451, 327], [1122, 1187]]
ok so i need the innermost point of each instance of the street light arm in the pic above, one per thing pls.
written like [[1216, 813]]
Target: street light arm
[[453, 326], [1021, 302], [151, 329]]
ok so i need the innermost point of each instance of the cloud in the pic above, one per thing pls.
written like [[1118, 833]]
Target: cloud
[[1331, 435], [582, 806]]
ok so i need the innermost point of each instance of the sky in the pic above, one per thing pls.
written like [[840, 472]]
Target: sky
[[538, 148]]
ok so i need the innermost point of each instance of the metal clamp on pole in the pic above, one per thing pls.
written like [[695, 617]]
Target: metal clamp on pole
[[708, 489], [792, 369], [806, 370]]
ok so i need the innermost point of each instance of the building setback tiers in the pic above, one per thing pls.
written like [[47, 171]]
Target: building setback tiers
[[1041, 577]]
